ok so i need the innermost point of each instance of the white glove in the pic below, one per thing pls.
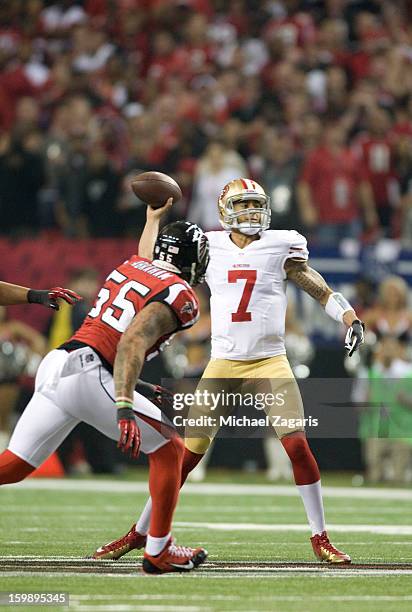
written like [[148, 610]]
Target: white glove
[[354, 337]]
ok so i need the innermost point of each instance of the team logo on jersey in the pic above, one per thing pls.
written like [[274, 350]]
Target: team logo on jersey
[[187, 308]]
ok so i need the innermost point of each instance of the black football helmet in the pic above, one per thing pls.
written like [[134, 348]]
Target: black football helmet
[[183, 248]]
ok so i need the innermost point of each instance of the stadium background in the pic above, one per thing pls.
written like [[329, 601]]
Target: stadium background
[[311, 99]]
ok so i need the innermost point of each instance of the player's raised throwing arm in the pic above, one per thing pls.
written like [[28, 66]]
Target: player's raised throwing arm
[[11, 295], [151, 323], [151, 229], [335, 305]]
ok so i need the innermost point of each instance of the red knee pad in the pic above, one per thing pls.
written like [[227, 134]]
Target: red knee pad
[[12, 468], [305, 468]]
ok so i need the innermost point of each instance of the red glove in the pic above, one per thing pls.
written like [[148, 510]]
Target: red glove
[[129, 432], [49, 297]]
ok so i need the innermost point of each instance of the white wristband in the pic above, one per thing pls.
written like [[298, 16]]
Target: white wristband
[[336, 306]]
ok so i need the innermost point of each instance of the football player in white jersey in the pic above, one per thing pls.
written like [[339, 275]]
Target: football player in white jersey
[[247, 275]]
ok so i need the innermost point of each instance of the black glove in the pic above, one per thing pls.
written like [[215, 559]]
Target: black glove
[[354, 337], [160, 396], [49, 297]]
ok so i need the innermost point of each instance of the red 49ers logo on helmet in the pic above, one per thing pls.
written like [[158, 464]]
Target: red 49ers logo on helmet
[[224, 191]]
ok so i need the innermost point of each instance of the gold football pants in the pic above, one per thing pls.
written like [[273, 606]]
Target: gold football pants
[[271, 377]]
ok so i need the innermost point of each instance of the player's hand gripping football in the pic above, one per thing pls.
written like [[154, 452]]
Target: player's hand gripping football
[[50, 297], [129, 439], [158, 213], [354, 337]]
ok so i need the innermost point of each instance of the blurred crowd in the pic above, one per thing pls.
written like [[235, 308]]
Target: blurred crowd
[[313, 99]]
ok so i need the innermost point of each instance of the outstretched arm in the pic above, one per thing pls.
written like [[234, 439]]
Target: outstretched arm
[[151, 229], [306, 278], [313, 283], [154, 321], [11, 295], [336, 306]]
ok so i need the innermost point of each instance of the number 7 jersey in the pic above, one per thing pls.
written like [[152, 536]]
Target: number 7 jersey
[[128, 289], [248, 293]]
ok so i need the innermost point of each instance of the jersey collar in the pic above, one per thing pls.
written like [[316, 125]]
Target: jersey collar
[[245, 248]]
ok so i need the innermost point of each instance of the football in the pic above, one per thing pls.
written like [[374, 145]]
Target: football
[[155, 188]]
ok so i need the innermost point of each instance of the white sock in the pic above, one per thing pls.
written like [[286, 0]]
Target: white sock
[[143, 522], [312, 500], [154, 546]]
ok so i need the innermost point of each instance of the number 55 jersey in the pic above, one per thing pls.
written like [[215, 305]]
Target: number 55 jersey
[[248, 293], [128, 289]]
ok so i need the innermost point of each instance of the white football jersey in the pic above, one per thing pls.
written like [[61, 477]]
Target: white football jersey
[[248, 293]]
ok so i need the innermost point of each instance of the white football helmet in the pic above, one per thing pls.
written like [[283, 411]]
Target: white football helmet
[[242, 190]]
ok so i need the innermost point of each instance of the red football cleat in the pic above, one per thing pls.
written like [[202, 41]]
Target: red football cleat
[[325, 551], [116, 549], [174, 559]]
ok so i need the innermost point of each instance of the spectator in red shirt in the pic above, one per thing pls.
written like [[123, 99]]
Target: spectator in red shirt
[[333, 190], [375, 151], [404, 168], [162, 61]]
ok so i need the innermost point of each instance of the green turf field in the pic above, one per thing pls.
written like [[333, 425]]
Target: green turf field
[[254, 534]]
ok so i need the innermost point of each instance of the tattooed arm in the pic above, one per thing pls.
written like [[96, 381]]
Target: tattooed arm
[[336, 306], [154, 321], [306, 278]]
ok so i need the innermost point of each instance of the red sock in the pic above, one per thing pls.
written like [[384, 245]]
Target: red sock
[[165, 466], [190, 461], [12, 468], [305, 468]]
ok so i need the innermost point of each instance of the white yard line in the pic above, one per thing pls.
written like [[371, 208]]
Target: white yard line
[[395, 530], [360, 598], [274, 598], [292, 573], [276, 574], [19, 574], [116, 486], [338, 528], [128, 608], [74, 599]]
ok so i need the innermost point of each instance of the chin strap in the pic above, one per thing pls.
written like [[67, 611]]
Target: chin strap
[[247, 231], [250, 231]]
